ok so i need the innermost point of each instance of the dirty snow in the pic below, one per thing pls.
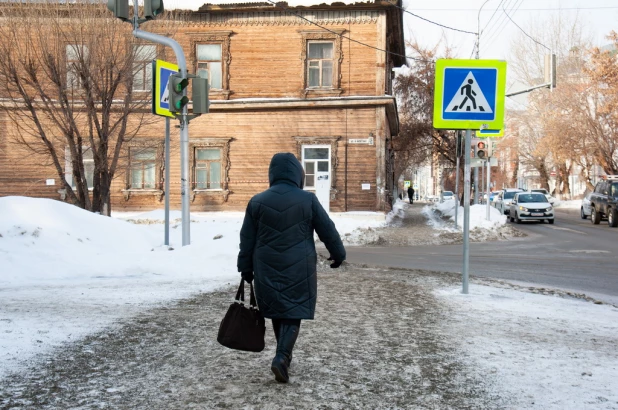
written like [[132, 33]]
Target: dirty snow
[[80, 292]]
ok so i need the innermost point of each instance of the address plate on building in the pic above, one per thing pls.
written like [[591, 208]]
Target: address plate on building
[[368, 141]]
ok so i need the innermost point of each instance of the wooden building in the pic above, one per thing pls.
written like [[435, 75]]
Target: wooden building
[[315, 81]]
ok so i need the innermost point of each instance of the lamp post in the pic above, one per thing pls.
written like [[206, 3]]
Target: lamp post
[[478, 29]]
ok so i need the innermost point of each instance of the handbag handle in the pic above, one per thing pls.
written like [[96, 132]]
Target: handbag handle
[[240, 295]]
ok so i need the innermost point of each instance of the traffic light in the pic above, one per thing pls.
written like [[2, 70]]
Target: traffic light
[[177, 86], [199, 95], [120, 8], [480, 150], [152, 8]]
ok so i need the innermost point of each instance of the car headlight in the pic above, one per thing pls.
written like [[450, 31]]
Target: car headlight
[[521, 208], [548, 209]]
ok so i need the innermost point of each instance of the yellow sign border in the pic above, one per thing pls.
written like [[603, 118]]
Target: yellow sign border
[[490, 133], [156, 79], [441, 123]]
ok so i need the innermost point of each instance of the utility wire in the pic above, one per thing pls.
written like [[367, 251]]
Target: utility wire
[[492, 16], [287, 10], [495, 27], [522, 30], [433, 22], [500, 28]]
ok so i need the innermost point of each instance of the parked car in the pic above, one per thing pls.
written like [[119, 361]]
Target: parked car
[[492, 196], [604, 201], [530, 206], [504, 198], [544, 191], [585, 209], [446, 195]]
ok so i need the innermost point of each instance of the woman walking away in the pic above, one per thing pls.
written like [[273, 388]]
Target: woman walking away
[[277, 246]]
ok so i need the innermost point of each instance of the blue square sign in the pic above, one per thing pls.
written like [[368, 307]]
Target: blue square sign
[[469, 94]]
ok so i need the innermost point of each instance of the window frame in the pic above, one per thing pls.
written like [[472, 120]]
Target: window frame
[[132, 167], [145, 67], [207, 143], [320, 65], [216, 37], [76, 83], [208, 63], [321, 141], [313, 36], [140, 144], [206, 164]]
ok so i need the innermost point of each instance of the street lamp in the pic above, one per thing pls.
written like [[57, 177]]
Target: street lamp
[[478, 29]]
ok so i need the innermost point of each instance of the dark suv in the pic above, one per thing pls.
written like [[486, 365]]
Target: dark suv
[[604, 201]]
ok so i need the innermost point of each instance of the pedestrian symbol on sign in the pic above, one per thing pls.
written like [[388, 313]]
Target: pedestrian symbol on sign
[[469, 98], [165, 98]]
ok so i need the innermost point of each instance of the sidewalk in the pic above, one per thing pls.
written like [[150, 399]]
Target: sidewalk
[[377, 342]]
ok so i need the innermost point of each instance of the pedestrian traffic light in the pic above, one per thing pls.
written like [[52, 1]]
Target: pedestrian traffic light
[[120, 8], [177, 86], [480, 150], [152, 8]]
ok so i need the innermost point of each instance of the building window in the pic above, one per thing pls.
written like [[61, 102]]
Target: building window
[[88, 161], [319, 64], [143, 168], [209, 64], [321, 56], [207, 168], [75, 53], [142, 67]]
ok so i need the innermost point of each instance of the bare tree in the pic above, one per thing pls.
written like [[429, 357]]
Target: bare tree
[[69, 71]]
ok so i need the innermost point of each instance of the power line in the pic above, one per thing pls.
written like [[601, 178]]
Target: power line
[[522, 30], [287, 10], [528, 9], [501, 29], [498, 25], [433, 22], [492, 16]]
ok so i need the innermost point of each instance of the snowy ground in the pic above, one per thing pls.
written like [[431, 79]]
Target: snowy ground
[[70, 277]]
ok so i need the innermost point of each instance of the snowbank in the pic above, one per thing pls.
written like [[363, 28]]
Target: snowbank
[[441, 216]]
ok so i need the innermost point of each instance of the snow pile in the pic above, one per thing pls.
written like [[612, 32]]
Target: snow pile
[[441, 215], [543, 352], [75, 272]]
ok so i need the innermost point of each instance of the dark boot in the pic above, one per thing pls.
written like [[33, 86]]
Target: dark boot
[[276, 328], [288, 332]]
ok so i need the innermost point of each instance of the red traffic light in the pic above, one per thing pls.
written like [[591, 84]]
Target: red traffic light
[[481, 145]]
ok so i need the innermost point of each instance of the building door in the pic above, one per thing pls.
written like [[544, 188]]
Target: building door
[[316, 162]]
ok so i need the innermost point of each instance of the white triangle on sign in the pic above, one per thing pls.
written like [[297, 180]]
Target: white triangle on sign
[[469, 98], [166, 94]]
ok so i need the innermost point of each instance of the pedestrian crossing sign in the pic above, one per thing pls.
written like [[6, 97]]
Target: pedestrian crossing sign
[[469, 94], [161, 72]]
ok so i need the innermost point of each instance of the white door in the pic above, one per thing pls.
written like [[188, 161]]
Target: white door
[[316, 162]]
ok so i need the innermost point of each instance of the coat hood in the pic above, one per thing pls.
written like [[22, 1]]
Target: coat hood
[[284, 167]]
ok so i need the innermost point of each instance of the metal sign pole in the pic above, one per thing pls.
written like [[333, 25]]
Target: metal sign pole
[[167, 181], [184, 128], [458, 155], [466, 221], [488, 186]]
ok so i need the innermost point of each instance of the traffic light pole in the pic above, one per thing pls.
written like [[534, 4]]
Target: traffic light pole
[[184, 125], [488, 179], [466, 221]]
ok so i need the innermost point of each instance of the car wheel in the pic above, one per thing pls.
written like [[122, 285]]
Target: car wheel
[[595, 217], [612, 217], [582, 214], [517, 220], [550, 221], [511, 218]]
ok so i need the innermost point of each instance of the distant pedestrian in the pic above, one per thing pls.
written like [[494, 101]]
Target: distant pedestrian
[[277, 246], [411, 194]]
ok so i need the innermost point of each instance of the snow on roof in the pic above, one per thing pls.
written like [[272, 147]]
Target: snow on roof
[[197, 4]]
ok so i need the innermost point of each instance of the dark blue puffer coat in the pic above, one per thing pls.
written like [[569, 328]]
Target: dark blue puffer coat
[[276, 242]]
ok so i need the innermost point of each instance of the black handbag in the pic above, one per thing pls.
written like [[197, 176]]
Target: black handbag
[[243, 327]]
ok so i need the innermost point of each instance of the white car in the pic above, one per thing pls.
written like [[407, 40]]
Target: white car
[[447, 195], [504, 198], [543, 191], [585, 209], [531, 206]]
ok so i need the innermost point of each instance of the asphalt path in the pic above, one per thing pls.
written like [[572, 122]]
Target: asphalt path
[[573, 254]]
